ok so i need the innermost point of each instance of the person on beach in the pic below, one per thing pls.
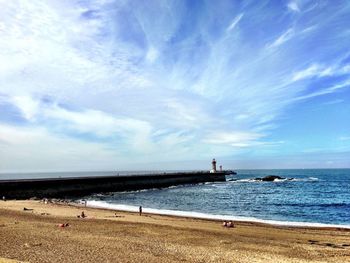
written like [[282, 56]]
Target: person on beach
[[140, 210], [82, 215], [230, 224]]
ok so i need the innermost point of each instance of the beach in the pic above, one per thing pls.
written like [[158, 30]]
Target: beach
[[36, 235]]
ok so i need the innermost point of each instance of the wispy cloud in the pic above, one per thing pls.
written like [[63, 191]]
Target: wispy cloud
[[332, 102], [325, 91], [319, 71], [287, 35], [293, 6], [235, 22], [92, 122], [237, 139]]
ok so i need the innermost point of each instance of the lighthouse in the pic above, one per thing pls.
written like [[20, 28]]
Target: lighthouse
[[213, 163]]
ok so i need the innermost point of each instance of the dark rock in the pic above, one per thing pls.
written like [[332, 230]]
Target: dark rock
[[269, 178]]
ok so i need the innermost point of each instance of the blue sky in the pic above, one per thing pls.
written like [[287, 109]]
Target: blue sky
[[130, 85]]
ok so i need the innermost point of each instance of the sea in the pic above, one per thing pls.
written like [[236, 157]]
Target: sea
[[306, 197]]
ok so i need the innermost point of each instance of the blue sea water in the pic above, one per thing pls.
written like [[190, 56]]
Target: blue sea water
[[305, 197], [312, 196]]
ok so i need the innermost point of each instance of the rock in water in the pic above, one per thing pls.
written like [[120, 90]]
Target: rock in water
[[269, 178]]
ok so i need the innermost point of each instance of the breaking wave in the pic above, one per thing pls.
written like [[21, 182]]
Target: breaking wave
[[129, 208]]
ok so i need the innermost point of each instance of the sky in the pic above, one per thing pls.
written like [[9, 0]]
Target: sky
[[159, 85]]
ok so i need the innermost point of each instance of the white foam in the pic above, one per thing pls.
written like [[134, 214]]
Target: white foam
[[129, 208], [253, 180], [280, 180], [313, 179]]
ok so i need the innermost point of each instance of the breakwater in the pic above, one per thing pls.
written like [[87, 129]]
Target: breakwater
[[81, 186]]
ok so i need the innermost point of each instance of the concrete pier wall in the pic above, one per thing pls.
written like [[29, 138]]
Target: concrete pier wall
[[78, 187]]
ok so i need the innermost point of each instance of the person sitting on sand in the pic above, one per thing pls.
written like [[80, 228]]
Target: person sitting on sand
[[82, 215], [224, 224], [230, 224]]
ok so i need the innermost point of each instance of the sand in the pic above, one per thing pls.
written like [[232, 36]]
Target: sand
[[114, 236]]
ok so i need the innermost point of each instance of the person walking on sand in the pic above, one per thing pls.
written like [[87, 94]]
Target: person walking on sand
[[140, 210]]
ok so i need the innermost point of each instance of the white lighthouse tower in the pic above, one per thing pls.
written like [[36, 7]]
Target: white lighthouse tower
[[213, 163]]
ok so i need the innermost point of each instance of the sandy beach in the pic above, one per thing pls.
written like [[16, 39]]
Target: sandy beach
[[35, 235]]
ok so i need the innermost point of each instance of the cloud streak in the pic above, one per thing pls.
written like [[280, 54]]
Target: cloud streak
[[234, 22]]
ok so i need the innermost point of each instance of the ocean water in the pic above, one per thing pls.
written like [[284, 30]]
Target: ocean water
[[307, 197], [310, 197]]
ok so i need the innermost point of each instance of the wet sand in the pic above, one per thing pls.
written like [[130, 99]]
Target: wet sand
[[34, 235]]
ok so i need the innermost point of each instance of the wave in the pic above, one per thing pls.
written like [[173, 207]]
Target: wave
[[253, 180], [129, 208]]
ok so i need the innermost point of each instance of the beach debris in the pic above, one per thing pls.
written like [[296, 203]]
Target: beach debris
[[45, 214], [115, 215], [27, 209], [28, 245], [63, 225]]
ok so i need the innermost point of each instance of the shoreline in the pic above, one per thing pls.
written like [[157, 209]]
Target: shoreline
[[34, 234], [213, 217]]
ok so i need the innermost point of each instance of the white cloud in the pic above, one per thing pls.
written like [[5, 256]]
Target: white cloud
[[186, 113], [238, 139], [151, 79], [234, 22], [48, 49], [28, 106], [282, 38], [319, 71], [293, 6], [95, 122], [324, 91], [33, 149], [314, 70], [152, 54]]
